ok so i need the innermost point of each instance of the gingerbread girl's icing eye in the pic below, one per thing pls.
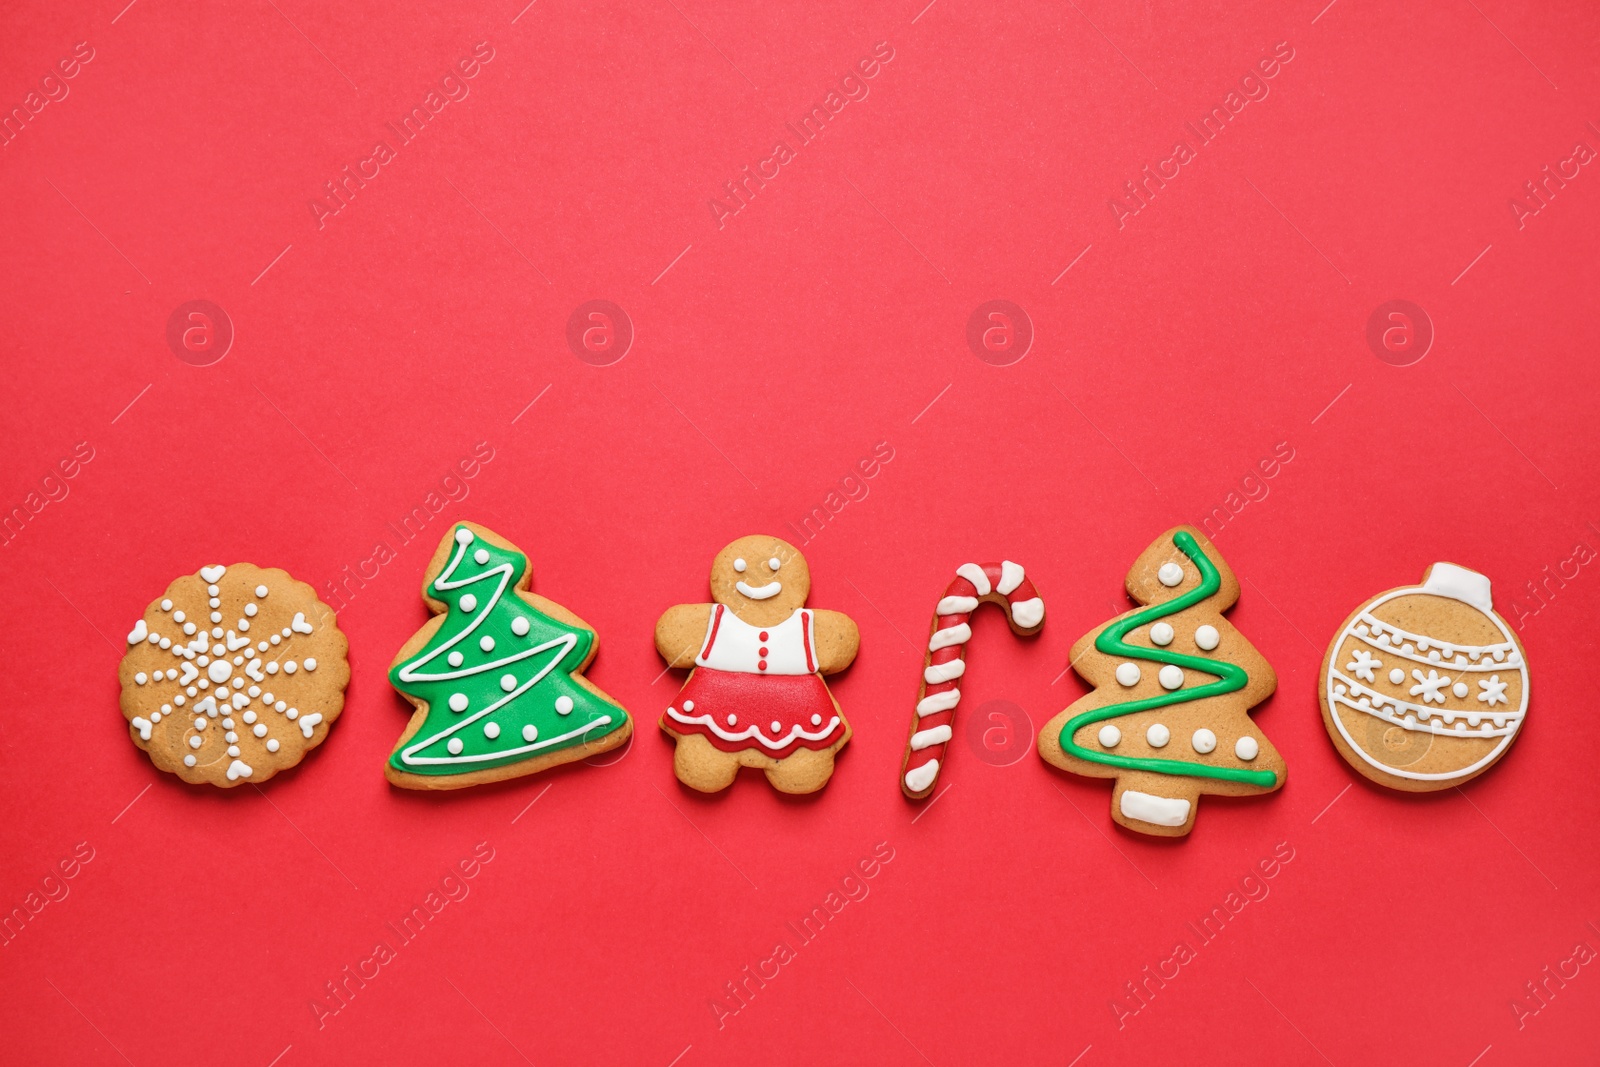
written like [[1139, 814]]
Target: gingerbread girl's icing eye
[[739, 565], [773, 563]]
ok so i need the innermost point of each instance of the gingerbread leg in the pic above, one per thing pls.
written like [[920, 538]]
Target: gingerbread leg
[[701, 765], [806, 771]]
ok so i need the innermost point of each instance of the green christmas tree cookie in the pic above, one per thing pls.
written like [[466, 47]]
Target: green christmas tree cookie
[[496, 675]]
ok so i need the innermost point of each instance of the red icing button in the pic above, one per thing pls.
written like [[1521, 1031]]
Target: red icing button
[[762, 651], [763, 635], [761, 665]]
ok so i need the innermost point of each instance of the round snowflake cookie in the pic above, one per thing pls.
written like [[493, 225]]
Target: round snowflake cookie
[[233, 674], [1426, 686]]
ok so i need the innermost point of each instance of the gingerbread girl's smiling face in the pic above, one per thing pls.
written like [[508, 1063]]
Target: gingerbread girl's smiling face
[[761, 579]]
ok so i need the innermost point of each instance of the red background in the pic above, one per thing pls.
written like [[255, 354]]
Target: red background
[[374, 352]]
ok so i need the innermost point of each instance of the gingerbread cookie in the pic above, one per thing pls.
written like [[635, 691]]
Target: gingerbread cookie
[[1425, 686], [755, 696], [1004, 584], [1169, 718], [496, 675], [233, 675]]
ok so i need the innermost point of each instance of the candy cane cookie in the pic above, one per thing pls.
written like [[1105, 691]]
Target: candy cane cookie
[[1003, 584]]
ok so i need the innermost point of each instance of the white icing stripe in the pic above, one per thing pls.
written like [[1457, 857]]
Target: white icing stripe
[[138, 633], [1028, 613], [754, 732], [239, 769], [142, 724], [928, 738], [1475, 721], [1473, 651], [956, 605], [1158, 811], [920, 778], [307, 722], [974, 574], [1011, 575], [944, 672], [1482, 664], [958, 634], [931, 705]]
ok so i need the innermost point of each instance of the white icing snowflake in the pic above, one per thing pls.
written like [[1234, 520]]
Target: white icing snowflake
[[1494, 691], [218, 674], [1364, 665], [1429, 688]]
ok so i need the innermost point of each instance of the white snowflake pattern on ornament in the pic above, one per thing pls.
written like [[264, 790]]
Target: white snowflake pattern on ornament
[[1494, 691], [1364, 665], [1429, 688]]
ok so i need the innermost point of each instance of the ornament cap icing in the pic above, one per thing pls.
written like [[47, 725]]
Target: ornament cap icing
[[1459, 583]]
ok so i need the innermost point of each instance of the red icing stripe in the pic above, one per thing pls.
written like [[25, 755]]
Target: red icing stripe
[[811, 661], [711, 638]]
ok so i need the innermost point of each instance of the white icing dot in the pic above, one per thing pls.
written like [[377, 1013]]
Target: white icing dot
[[272, 745], [688, 705], [177, 616], [166, 605], [732, 719], [463, 537], [1109, 736], [468, 602], [1170, 574], [250, 610], [212, 589], [155, 716], [195, 742], [773, 563], [188, 761], [458, 702], [141, 678], [1161, 634], [1158, 735], [530, 733], [249, 716], [816, 720], [292, 714], [166, 642], [564, 705], [216, 631], [1203, 740], [262, 646], [455, 659], [261, 590], [454, 746], [1460, 689], [1171, 677], [481, 556], [309, 663], [178, 700], [188, 629], [777, 727], [214, 602], [204, 683], [254, 691], [739, 565], [220, 670], [199, 723], [508, 682], [486, 643], [1246, 748], [272, 668], [1396, 676], [227, 724], [491, 730], [231, 737], [290, 667], [519, 626], [1128, 674], [281, 706], [1207, 638]]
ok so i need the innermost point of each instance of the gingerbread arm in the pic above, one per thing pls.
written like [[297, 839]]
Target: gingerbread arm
[[837, 638], [680, 631]]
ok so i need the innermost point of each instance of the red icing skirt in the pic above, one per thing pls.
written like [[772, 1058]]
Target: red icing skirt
[[771, 713]]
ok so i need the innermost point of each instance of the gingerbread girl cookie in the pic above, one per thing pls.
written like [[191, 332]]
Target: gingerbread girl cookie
[[755, 696]]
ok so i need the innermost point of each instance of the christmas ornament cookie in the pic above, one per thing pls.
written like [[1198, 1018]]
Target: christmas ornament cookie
[[755, 696], [1169, 718], [496, 675], [233, 675], [1425, 686], [1003, 584]]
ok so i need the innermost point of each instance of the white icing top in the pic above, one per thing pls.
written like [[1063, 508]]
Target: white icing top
[[732, 644]]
